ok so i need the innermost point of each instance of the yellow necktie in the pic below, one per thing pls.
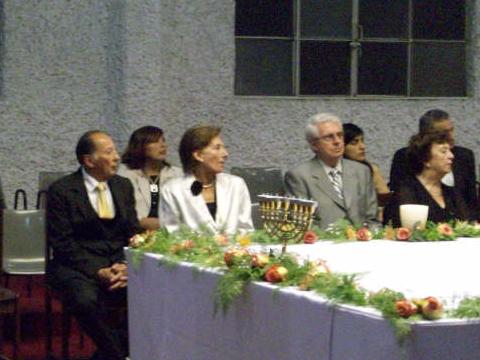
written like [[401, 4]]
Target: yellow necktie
[[103, 208]]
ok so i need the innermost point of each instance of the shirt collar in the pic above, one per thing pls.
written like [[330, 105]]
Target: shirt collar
[[337, 168], [90, 182]]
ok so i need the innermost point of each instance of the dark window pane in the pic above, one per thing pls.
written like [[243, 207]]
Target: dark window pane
[[331, 18], [438, 69], [263, 67], [439, 19], [384, 18], [324, 68], [264, 18], [382, 69]]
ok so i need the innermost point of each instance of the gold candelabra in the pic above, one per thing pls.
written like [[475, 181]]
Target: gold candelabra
[[286, 218]]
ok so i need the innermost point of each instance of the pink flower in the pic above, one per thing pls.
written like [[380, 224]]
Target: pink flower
[[445, 229], [363, 234], [310, 237], [403, 234], [221, 239]]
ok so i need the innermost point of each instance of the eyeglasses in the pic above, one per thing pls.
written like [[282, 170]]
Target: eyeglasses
[[331, 137]]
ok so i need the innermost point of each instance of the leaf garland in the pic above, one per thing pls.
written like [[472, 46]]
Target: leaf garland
[[204, 249]]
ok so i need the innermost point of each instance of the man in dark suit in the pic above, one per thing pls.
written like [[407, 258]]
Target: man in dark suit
[[343, 188], [462, 178], [90, 217]]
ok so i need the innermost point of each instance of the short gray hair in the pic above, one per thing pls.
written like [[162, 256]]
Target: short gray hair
[[311, 130]]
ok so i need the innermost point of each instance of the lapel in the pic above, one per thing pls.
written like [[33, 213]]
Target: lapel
[[79, 192], [324, 183], [143, 185], [117, 195]]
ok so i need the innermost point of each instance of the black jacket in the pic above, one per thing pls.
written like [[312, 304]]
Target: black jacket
[[79, 239], [463, 173]]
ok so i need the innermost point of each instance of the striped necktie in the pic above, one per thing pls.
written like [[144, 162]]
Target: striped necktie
[[336, 180], [104, 211]]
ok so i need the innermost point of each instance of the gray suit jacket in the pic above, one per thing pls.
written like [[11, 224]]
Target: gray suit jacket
[[310, 181]]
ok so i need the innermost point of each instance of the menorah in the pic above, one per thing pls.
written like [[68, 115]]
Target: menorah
[[286, 218]]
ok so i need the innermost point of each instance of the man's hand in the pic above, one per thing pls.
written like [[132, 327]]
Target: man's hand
[[115, 276]]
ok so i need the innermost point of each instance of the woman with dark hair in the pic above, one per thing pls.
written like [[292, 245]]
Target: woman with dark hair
[[205, 196], [145, 165], [430, 158], [355, 150]]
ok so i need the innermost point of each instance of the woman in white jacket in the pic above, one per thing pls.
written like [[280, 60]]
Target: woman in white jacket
[[205, 195], [145, 165]]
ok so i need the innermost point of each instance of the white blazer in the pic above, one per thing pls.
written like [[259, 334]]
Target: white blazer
[[179, 206], [141, 186]]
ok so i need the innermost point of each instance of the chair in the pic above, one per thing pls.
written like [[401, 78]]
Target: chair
[[23, 242], [260, 180], [45, 179], [9, 306]]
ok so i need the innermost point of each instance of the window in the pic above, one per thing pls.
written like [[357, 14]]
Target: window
[[353, 48]]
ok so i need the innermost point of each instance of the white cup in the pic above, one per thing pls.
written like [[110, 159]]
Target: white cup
[[413, 215]]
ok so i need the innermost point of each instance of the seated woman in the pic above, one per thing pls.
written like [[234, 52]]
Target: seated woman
[[355, 150], [205, 196], [430, 159], [146, 168]]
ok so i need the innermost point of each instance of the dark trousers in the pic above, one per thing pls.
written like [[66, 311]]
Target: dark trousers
[[87, 300]]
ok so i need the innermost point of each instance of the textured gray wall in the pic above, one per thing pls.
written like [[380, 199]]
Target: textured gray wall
[[74, 65]]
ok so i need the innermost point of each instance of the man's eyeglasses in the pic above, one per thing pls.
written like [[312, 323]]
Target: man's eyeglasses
[[331, 137]]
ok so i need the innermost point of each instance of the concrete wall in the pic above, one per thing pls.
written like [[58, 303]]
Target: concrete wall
[[73, 65]]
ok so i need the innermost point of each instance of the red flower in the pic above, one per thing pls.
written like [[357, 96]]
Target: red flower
[[405, 308], [363, 234], [276, 273], [310, 237], [403, 234]]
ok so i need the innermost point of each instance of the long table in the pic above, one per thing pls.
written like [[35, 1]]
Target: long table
[[171, 317]]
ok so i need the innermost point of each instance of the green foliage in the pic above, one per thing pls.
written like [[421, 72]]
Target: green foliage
[[465, 229], [432, 233], [384, 301], [229, 287], [339, 288], [468, 308], [336, 231]]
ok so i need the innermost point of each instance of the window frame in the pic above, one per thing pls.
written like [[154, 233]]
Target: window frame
[[355, 42]]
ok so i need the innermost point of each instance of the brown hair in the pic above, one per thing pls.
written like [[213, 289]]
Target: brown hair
[[195, 138], [134, 155], [419, 149]]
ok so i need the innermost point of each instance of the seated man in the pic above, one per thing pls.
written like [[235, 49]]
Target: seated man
[[463, 171], [342, 188], [90, 217]]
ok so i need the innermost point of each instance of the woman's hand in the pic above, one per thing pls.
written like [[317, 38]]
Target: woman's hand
[[150, 223]]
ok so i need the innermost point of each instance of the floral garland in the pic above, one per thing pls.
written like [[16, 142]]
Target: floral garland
[[241, 266], [343, 230]]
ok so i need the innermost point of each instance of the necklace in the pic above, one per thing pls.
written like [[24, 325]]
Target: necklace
[[153, 183], [208, 186]]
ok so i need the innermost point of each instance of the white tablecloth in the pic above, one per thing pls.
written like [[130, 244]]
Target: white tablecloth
[[445, 269], [171, 312]]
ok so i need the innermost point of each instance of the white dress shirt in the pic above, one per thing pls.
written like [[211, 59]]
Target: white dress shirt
[[179, 206], [91, 185]]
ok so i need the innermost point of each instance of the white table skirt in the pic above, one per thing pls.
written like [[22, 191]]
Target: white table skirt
[[171, 318]]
